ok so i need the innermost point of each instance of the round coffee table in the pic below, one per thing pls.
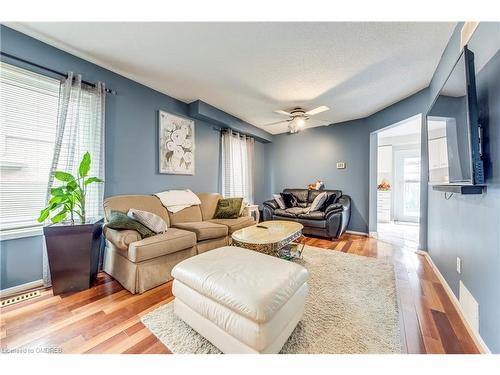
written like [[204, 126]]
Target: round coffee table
[[269, 237]]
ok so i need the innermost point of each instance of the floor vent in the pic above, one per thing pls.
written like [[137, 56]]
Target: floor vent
[[21, 298]]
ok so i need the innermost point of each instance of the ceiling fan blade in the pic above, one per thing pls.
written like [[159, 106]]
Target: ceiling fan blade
[[279, 111], [322, 122], [315, 111], [276, 123]]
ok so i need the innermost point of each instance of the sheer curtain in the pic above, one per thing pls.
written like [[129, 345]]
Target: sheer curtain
[[80, 128], [237, 165]]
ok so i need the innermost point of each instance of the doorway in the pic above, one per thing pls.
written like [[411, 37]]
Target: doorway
[[407, 185], [398, 183]]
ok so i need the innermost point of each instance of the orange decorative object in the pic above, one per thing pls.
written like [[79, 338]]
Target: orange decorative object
[[384, 185]]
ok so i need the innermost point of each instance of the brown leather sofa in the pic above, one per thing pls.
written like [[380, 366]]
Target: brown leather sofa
[[141, 264]]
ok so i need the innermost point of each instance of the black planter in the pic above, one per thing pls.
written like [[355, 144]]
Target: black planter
[[73, 252]]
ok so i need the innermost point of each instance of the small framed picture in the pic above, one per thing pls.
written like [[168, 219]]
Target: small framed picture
[[176, 148]]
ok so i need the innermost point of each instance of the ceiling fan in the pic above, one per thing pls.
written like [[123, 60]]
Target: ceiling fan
[[298, 117]]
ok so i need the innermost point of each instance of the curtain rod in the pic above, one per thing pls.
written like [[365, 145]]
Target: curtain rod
[[223, 130], [8, 55]]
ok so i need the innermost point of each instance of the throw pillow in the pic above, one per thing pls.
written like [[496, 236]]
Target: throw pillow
[[289, 199], [243, 205], [119, 220], [228, 208], [281, 203], [318, 202], [332, 197], [148, 219]]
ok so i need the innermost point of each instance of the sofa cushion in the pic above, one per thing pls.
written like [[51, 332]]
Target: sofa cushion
[[279, 201], [148, 219], [119, 220], [313, 215], [235, 224], [229, 208], [297, 210], [331, 198], [284, 213], [189, 214], [171, 241], [204, 230], [300, 194], [319, 201], [289, 199], [123, 203], [332, 195], [208, 204]]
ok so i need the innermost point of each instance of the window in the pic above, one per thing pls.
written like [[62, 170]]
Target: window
[[82, 131], [45, 125], [28, 118], [237, 165]]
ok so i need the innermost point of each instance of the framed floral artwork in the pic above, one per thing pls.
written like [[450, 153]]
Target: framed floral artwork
[[176, 137]]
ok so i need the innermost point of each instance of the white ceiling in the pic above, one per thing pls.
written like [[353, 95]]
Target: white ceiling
[[410, 127], [251, 69]]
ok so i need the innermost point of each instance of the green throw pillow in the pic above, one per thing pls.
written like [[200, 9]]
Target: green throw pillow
[[119, 220], [228, 208]]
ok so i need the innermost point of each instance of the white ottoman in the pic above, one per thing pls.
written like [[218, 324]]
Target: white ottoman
[[240, 300]]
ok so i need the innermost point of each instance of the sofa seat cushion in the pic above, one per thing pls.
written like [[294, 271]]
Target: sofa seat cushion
[[291, 212], [235, 224], [171, 241], [283, 213], [297, 210], [204, 230], [313, 215]]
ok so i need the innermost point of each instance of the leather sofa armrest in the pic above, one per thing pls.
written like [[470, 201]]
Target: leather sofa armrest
[[334, 208], [337, 216], [268, 208], [343, 203], [121, 238], [271, 203]]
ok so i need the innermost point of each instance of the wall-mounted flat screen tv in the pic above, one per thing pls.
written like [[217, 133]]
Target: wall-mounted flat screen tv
[[453, 129]]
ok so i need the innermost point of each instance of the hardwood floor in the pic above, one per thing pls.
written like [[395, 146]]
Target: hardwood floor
[[106, 318]]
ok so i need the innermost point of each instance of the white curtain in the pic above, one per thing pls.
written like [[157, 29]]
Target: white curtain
[[80, 128], [237, 165]]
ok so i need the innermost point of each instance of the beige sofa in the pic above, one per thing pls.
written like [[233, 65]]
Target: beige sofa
[[141, 264]]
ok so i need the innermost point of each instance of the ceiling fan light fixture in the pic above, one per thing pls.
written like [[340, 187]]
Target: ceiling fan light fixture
[[297, 124]]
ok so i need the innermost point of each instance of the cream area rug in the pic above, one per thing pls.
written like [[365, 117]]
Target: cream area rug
[[351, 308]]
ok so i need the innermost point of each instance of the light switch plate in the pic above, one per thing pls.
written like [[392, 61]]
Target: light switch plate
[[340, 165], [459, 265]]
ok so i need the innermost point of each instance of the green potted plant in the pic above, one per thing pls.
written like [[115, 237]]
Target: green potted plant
[[73, 240]]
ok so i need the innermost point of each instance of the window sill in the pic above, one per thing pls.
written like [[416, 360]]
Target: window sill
[[14, 234]]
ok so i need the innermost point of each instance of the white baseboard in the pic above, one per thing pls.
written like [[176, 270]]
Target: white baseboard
[[373, 235], [21, 288], [483, 348], [358, 233]]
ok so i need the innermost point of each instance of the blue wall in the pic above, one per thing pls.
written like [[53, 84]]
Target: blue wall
[[20, 261], [299, 159], [131, 142], [302, 158], [469, 226]]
